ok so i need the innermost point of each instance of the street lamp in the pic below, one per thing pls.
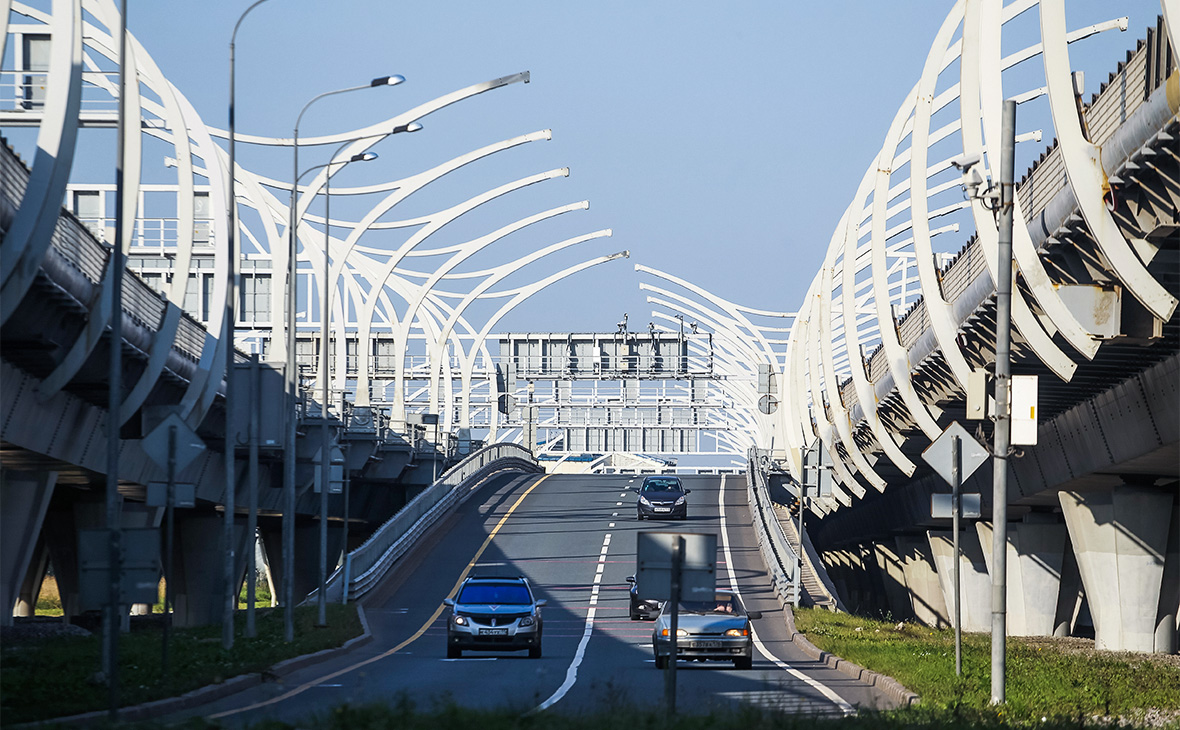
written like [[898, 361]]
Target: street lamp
[[231, 598], [289, 436], [325, 315]]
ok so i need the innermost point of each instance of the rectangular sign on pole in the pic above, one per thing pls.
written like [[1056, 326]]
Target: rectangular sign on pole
[[653, 573], [139, 578]]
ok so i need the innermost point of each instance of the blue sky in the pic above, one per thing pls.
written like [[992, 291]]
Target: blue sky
[[720, 142]]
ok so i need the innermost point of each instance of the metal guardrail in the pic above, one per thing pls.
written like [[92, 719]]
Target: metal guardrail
[[781, 560], [364, 567]]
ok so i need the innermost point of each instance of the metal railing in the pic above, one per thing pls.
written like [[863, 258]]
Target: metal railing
[[782, 562], [365, 566]]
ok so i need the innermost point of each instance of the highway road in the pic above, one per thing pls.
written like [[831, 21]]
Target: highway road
[[574, 537]]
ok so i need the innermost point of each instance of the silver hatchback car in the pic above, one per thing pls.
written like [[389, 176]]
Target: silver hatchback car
[[707, 630], [494, 614]]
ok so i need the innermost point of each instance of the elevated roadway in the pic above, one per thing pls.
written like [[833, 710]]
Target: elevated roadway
[[574, 537]]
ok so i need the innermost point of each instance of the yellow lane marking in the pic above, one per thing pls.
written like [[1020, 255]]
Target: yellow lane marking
[[417, 634]]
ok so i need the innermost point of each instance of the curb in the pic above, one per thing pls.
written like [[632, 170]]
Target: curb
[[214, 692], [888, 686]]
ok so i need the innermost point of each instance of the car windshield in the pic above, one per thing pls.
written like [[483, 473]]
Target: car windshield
[[724, 604], [661, 485], [495, 593]]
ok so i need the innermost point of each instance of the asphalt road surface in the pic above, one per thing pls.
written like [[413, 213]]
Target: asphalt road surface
[[574, 537]]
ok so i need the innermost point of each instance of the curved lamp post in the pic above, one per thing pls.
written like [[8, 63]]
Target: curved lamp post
[[292, 395], [325, 443], [231, 598]]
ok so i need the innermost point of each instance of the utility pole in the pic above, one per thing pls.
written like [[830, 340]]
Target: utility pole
[[1003, 407]]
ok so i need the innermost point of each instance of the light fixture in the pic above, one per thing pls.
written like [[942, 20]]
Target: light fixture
[[393, 80]]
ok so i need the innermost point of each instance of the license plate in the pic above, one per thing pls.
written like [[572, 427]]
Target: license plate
[[663, 509], [705, 645], [493, 632]]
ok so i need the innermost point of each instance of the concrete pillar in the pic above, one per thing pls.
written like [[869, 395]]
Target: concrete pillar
[[897, 594], [876, 601], [139, 515], [86, 512], [272, 545], [30, 588], [198, 564], [1036, 551], [24, 497], [1167, 631], [926, 598], [974, 581], [307, 560], [1121, 540], [1070, 595]]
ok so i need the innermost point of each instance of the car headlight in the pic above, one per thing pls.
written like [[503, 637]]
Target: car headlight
[[738, 632], [527, 621], [460, 620], [679, 632], [643, 501], [680, 501]]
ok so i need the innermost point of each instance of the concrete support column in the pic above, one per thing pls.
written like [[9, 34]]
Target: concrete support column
[[1036, 551], [975, 582], [1070, 595], [25, 499], [892, 572], [139, 515], [1121, 538], [307, 560], [30, 588], [272, 544], [199, 568], [929, 607]]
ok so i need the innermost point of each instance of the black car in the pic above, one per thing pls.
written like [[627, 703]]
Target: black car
[[662, 496], [494, 614], [642, 608]]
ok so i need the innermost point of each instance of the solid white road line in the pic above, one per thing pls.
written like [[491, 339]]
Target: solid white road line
[[836, 699], [571, 673]]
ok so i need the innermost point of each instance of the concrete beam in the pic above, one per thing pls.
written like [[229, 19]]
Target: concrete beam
[[1121, 539]]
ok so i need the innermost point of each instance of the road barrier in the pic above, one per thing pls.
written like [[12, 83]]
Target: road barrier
[[782, 562], [364, 567]]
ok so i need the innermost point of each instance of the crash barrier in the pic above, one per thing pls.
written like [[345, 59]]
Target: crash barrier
[[782, 562], [364, 567]]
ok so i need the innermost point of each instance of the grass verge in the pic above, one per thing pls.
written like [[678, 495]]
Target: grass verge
[[403, 714], [54, 677], [1046, 678]]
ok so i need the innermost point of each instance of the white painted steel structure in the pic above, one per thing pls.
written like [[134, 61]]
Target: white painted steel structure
[[863, 380], [380, 294]]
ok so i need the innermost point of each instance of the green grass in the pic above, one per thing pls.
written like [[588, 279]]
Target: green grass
[[1043, 679], [49, 600], [53, 678], [403, 714]]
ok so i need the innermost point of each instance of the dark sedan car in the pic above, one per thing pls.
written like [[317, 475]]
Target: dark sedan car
[[662, 497], [642, 608]]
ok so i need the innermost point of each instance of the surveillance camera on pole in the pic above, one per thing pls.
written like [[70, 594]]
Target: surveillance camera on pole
[[974, 180]]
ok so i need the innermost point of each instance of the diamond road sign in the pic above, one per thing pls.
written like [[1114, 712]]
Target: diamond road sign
[[971, 453], [188, 445]]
